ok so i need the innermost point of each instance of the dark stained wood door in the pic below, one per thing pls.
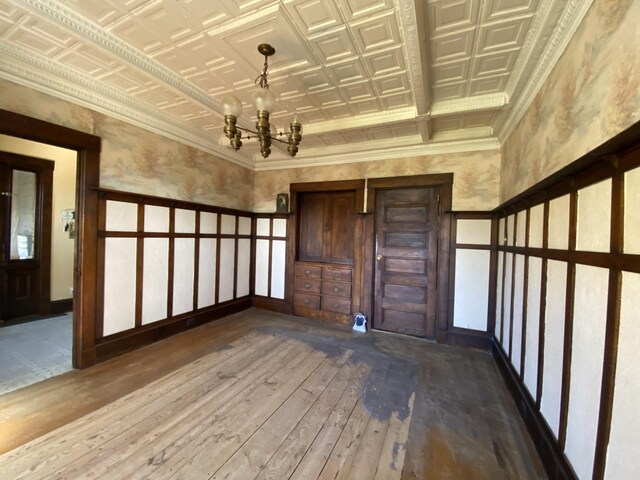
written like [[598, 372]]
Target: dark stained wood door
[[406, 260], [26, 189]]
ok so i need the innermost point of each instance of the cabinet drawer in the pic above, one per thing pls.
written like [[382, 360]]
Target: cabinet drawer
[[336, 274], [336, 289], [309, 271], [336, 304], [305, 300], [307, 285]]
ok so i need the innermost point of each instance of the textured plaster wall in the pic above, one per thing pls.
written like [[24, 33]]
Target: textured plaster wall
[[475, 184], [592, 94], [139, 161]]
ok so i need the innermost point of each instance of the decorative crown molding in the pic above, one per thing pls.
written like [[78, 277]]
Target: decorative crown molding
[[566, 27], [491, 101]]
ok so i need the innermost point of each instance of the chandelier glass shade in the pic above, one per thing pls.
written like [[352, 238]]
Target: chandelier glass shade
[[264, 101]]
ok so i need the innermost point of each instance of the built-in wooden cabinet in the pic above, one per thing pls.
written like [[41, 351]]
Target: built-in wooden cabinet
[[325, 254]]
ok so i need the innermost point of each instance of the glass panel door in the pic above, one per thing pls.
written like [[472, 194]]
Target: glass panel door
[[23, 215]]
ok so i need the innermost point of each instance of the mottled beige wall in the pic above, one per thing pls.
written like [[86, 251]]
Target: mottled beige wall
[[136, 160], [475, 184], [592, 94]]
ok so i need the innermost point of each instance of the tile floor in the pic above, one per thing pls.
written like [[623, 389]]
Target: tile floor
[[34, 351]]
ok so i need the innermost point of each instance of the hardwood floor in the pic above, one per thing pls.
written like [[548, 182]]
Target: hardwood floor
[[268, 396]]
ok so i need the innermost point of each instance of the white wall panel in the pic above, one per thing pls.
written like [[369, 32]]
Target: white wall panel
[[502, 230], [518, 300], [155, 279], [632, 212], [208, 222], [508, 282], [521, 228], [510, 226], [623, 454], [553, 343], [498, 326], [262, 227], [279, 227], [594, 217], [207, 272], [536, 223], [156, 219], [244, 226], [534, 285], [228, 224], [119, 285], [185, 221], [244, 267], [227, 259], [559, 222], [589, 321], [121, 216], [278, 261], [262, 267], [473, 231], [183, 270], [471, 299]]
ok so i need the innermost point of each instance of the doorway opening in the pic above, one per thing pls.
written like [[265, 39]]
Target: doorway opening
[[87, 148]]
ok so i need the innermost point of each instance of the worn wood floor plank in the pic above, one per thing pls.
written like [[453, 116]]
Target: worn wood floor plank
[[268, 396]]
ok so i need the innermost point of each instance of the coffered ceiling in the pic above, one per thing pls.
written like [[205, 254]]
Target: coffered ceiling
[[368, 79]]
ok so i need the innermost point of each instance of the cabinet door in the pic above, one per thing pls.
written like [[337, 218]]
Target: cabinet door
[[311, 236], [340, 209]]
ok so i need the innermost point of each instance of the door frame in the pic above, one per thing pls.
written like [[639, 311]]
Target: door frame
[[87, 180], [445, 182]]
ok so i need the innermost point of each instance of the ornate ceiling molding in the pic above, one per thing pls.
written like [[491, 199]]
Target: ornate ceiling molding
[[490, 101], [367, 120], [70, 20], [570, 20], [383, 150], [45, 75]]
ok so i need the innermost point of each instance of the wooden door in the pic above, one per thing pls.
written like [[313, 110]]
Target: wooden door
[[406, 260], [26, 186]]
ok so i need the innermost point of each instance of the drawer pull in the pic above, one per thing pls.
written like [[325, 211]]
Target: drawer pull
[[335, 305], [306, 301], [336, 276], [307, 272], [336, 289], [307, 285]]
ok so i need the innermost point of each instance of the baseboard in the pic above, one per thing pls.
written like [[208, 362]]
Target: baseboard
[[470, 339], [273, 304], [61, 306], [553, 459], [120, 343]]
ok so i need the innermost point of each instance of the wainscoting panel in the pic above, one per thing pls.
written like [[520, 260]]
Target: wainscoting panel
[[207, 271], [471, 303], [244, 266], [183, 274], [270, 258], [278, 258], [577, 384], [119, 285], [227, 267], [155, 279], [262, 266]]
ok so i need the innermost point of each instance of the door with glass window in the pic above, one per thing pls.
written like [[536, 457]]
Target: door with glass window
[[26, 186]]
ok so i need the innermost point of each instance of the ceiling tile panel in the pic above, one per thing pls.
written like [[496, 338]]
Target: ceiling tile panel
[[103, 12], [339, 111], [355, 9], [497, 9], [481, 119], [333, 46], [329, 97], [314, 79], [357, 91], [392, 84], [400, 100], [349, 71], [30, 40], [381, 31], [314, 15], [449, 91], [366, 106], [504, 35], [452, 46], [451, 72], [89, 60], [383, 63], [494, 64], [446, 15], [493, 84], [453, 122]]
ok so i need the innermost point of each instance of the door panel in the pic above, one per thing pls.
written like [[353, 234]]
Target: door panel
[[406, 260], [26, 185]]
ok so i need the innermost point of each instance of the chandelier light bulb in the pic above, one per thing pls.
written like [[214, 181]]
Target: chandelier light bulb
[[231, 105], [264, 99]]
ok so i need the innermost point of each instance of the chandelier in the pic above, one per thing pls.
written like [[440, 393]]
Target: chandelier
[[264, 101]]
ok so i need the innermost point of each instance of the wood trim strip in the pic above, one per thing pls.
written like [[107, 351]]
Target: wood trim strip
[[172, 253], [196, 261], [567, 347], [139, 267], [100, 271], [218, 248], [543, 308], [513, 287], [614, 261], [525, 300], [612, 330]]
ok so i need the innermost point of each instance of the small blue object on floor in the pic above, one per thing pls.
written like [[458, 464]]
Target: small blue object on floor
[[360, 324]]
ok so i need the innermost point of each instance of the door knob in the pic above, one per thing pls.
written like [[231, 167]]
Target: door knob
[[379, 257]]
